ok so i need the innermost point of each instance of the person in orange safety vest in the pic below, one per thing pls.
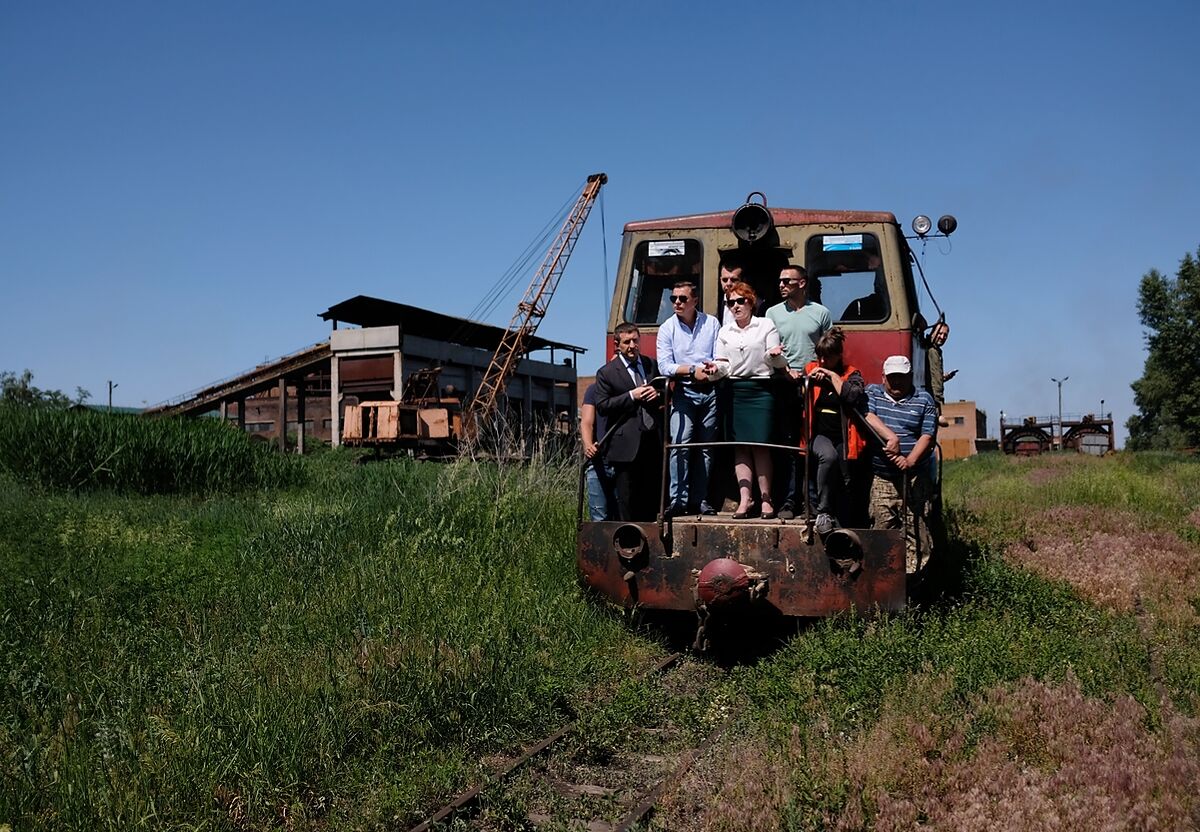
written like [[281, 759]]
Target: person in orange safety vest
[[837, 444]]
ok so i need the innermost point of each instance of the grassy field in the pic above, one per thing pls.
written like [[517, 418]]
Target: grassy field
[[1056, 688], [338, 654], [338, 650]]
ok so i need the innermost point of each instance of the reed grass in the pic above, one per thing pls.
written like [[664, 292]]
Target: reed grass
[[83, 450]]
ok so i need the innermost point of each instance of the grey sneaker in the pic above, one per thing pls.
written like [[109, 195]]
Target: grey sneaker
[[787, 512], [825, 524]]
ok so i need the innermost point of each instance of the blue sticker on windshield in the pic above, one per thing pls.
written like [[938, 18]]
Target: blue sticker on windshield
[[842, 242]]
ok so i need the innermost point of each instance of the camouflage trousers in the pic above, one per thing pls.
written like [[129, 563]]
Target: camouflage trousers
[[888, 512]]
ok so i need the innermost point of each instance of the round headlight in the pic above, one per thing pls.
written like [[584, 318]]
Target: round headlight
[[947, 224], [921, 225]]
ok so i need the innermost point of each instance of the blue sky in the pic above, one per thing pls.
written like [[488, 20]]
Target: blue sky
[[183, 187]]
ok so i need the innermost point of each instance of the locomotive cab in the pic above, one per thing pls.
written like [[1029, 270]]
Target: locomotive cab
[[859, 266]]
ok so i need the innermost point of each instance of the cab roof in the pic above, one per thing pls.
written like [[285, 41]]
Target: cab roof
[[782, 216]]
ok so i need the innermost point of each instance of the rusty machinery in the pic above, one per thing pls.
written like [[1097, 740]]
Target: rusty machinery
[[424, 419], [1034, 435]]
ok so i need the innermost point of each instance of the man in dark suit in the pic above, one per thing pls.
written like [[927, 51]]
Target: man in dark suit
[[627, 400]]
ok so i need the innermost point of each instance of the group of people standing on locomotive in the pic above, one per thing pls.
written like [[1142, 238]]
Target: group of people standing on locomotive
[[768, 377]]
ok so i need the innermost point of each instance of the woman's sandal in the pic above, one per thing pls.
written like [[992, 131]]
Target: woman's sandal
[[767, 515]]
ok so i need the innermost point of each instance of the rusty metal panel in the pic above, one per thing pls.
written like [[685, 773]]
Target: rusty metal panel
[[375, 369], [801, 578], [352, 430], [433, 423], [389, 424]]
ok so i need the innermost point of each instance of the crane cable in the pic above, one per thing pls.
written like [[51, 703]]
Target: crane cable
[[606, 297], [921, 271], [513, 276]]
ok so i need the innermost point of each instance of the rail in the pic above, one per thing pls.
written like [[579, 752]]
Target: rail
[[467, 800], [807, 515]]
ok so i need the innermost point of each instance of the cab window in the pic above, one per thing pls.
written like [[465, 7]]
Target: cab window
[[846, 272], [657, 266]]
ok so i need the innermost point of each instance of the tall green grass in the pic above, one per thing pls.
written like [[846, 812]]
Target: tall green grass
[[81, 450], [340, 654], [336, 656]]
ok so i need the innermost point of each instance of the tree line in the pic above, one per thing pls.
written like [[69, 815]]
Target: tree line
[[19, 390], [1168, 393]]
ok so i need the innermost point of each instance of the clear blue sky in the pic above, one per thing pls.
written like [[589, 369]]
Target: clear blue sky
[[183, 187]]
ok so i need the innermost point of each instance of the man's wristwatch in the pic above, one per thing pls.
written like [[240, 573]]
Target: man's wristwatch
[[692, 371]]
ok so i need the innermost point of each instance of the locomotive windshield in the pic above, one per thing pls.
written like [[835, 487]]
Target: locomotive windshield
[[849, 270], [657, 266]]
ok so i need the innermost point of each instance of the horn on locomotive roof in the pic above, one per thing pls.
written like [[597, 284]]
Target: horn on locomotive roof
[[753, 221]]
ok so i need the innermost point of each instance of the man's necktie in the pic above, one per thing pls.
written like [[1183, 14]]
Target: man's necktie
[[647, 419]]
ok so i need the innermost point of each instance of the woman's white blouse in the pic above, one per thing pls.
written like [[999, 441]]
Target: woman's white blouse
[[742, 352]]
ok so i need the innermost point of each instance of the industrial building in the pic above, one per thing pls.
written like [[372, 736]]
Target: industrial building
[[967, 425], [305, 393], [1033, 435]]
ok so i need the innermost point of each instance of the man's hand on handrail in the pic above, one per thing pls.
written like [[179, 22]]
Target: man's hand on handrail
[[644, 393]]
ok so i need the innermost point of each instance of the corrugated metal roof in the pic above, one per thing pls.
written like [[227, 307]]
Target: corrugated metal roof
[[362, 310]]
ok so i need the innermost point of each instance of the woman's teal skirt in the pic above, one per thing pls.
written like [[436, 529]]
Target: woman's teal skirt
[[749, 408]]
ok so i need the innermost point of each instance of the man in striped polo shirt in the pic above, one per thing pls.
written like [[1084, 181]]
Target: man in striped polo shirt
[[911, 415]]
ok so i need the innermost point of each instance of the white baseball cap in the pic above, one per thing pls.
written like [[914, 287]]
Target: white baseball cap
[[896, 365]]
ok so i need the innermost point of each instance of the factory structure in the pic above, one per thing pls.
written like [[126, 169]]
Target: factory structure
[[381, 351]]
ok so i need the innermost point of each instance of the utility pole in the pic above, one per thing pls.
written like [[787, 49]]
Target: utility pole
[[111, 387], [1060, 383]]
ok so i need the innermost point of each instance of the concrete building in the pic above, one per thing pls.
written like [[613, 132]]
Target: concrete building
[[967, 424]]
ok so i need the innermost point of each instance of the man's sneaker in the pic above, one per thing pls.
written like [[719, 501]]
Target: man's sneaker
[[787, 512], [706, 509], [825, 524], [675, 511]]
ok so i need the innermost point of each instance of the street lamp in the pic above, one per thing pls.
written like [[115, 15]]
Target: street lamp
[[1102, 408], [1060, 383], [111, 387]]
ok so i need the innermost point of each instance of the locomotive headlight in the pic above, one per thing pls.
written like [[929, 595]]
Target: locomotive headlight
[[947, 224], [921, 225]]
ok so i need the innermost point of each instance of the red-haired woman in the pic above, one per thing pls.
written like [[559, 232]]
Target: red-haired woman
[[747, 352]]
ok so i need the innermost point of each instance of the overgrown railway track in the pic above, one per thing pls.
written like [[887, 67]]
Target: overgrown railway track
[[609, 769]]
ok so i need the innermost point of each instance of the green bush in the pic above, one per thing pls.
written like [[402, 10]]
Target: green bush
[[81, 450]]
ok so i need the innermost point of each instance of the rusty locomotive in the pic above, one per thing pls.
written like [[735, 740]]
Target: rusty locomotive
[[861, 267]]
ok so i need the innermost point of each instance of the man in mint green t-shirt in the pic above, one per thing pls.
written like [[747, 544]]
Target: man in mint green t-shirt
[[801, 324]]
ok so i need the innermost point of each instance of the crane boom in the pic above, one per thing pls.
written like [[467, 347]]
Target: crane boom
[[530, 311]]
